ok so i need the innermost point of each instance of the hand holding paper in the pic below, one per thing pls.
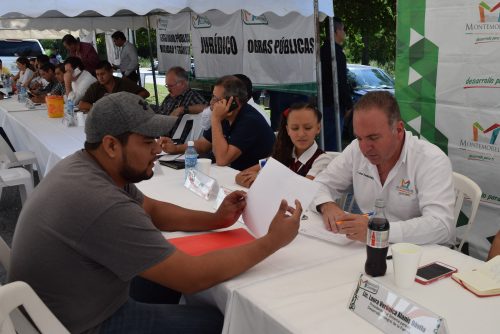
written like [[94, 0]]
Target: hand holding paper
[[284, 227], [275, 183], [231, 208]]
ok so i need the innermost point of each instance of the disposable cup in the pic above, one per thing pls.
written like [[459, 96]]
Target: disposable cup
[[405, 260], [203, 165]]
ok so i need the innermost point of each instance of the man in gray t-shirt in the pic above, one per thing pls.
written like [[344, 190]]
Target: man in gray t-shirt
[[86, 231]]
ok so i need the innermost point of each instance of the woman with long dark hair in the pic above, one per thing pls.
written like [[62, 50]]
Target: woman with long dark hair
[[295, 145]]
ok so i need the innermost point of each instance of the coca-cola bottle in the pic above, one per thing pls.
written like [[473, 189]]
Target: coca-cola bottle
[[377, 241]]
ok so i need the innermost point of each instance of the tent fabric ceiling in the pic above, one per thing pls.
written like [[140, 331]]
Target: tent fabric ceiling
[[93, 8]]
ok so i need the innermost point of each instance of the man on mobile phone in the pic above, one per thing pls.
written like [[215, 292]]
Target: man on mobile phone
[[239, 135], [413, 176], [76, 79]]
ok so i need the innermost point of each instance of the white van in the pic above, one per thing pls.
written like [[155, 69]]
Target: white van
[[11, 49]]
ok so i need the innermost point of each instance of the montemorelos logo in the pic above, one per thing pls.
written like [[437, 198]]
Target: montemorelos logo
[[494, 129], [199, 22], [250, 19], [483, 146], [489, 14], [404, 187], [488, 25]]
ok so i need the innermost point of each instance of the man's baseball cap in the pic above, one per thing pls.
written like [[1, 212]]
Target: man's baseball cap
[[122, 112]]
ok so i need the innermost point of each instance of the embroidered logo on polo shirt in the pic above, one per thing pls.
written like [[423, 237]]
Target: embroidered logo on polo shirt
[[404, 188]]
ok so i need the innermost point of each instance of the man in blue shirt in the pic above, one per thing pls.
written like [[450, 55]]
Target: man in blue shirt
[[239, 135]]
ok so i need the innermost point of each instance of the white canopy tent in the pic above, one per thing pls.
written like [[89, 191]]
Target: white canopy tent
[[55, 18]]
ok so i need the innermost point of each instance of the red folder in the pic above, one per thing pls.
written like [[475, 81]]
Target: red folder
[[204, 243]]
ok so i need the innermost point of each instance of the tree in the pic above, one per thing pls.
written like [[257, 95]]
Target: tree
[[371, 30]]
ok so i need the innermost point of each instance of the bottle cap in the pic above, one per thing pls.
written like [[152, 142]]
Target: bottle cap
[[379, 203], [190, 143]]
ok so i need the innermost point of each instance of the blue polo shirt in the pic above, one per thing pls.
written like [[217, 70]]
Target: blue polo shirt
[[251, 134]]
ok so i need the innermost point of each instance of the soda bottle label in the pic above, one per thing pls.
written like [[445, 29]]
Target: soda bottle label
[[377, 239]]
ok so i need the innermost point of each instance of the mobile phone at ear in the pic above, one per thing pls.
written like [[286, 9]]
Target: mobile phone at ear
[[234, 104], [433, 272]]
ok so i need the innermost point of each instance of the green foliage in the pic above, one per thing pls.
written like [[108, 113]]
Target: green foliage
[[142, 44], [370, 27]]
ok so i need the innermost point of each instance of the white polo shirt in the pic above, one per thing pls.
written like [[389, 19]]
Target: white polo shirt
[[418, 192]]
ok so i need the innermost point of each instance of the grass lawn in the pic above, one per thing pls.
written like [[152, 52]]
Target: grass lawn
[[162, 93]]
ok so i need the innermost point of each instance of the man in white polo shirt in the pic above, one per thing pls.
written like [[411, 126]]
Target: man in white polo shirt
[[414, 177]]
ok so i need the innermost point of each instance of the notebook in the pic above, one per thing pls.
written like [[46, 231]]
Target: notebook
[[483, 281]]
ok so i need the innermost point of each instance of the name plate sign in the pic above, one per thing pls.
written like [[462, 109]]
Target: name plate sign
[[201, 184], [390, 312]]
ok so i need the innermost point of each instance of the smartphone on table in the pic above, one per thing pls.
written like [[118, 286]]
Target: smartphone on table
[[433, 272]]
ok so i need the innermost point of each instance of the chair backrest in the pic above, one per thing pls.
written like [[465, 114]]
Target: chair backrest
[[465, 188], [4, 254], [6, 152], [192, 120], [15, 294]]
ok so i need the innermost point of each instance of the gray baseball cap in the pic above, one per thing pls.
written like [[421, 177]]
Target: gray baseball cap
[[122, 112]]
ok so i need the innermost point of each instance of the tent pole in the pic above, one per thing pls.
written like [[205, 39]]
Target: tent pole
[[335, 86], [152, 63], [318, 73]]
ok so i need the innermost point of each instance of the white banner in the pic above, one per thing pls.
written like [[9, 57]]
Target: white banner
[[279, 50], [217, 44], [468, 85], [173, 41], [448, 86]]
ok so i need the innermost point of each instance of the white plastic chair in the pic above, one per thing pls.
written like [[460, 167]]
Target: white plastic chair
[[9, 158], [195, 131], [465, 188], [17, 177], [15, 322], [17, 294]]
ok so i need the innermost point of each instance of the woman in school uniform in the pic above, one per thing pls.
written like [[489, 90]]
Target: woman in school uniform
[[295, 146]]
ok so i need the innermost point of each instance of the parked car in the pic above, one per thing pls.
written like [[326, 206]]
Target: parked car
[[11, 49], [364, 79]]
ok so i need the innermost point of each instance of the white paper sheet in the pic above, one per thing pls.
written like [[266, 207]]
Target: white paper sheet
[[274, 183], [316, 229]]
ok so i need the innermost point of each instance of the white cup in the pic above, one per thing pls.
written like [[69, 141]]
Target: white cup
[[203, 165], [405, 260], [80, 118]]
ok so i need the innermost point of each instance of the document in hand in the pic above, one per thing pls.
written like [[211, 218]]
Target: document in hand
[[484, 281], [204, 243], [274, 183]]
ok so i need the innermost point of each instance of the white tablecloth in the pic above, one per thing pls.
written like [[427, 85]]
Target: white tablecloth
[[305, 287], [33, 130]]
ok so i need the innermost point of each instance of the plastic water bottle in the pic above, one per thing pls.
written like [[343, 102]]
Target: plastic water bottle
[[69, 112], [18, 91], [190, 158], [23, 95], [377, 241]]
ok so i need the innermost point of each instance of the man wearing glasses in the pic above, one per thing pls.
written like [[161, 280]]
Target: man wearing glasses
[[239, 135], [182, 99]]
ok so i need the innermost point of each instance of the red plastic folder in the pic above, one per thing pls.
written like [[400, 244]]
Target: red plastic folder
[[204, 243]]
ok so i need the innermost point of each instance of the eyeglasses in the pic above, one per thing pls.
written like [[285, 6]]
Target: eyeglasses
[[216, 99], [172, 85]]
